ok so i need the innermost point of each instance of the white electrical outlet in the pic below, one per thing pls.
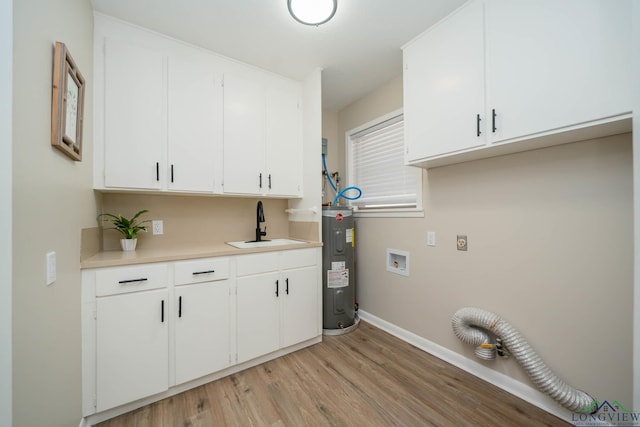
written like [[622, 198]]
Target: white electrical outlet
[[431, 238], [158, 227], [51, 267]]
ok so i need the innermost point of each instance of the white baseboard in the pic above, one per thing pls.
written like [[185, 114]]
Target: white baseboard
[[508, 384]]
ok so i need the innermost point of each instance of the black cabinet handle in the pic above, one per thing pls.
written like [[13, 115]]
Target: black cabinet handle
[[124, 282], [157, 171], [493, 120], [195, 273], [179, 306], [171, 173], [478, 133], [162, 311], [277, 289], [260, 180], [269, 181], [287, 289]]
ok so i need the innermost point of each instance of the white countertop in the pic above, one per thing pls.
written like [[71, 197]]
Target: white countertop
[[177, 253]]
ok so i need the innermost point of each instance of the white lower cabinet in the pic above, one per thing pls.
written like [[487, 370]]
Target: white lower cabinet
[[150, 327], [131, 335], [300, 305], [202, 318], [258, 315], [202, 330], [132, 343], [277, 301]]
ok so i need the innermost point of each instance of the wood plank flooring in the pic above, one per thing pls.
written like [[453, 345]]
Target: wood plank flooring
[[365, 378]]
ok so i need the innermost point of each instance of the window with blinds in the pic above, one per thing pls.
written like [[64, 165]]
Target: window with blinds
[[377, 167]]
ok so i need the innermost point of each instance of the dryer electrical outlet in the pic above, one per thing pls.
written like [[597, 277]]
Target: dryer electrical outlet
[[462, 242]]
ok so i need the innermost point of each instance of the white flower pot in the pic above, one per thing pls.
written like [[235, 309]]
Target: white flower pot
[[128, 245]]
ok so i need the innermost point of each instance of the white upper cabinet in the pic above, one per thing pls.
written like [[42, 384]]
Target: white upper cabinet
[[444, 86], [133, 115], [262, 137], [194, 130], [283, 141], [163, 120], [244, 135], [553, 64], [532, 74]]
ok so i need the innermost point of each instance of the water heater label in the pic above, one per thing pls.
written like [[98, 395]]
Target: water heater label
[[349, 235], [338, 278], [338, 265]]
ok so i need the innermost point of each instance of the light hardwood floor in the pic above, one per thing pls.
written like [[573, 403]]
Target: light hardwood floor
[[365, 378]]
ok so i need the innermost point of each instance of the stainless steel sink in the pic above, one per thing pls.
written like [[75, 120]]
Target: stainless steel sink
[[265, 243]]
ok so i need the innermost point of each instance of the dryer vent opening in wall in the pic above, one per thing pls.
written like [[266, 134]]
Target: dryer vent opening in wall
[[398, 262]]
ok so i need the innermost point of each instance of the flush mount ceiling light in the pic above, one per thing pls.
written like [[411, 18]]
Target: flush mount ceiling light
[[312, 12]]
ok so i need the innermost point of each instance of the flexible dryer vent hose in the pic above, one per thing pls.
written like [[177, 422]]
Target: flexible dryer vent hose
[[470, 325]]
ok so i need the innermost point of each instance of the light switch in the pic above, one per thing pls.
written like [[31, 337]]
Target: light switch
[[51, 267], [431, 238]]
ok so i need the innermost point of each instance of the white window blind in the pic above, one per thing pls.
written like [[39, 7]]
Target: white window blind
[[377, 161]]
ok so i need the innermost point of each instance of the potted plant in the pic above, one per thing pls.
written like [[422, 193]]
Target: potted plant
[[129, 228]]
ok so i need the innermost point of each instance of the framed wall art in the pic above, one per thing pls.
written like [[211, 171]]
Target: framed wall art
[[67, 104]]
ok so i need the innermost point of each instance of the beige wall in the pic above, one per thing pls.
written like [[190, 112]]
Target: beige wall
[[305, 219], [635, 54], [196, 220], [6, 65], [52, 201], [550, 250], [334, 125], [333, 157], [384, 100]]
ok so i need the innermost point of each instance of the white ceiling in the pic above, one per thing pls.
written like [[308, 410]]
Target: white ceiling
[[358, 50]]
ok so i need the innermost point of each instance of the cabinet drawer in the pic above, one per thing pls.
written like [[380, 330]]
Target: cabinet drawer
[[298, 258], [130, 279], [257, 263], [202, 270]]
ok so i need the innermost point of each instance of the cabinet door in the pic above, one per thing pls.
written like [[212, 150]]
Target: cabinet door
[[554, 64], [134, 93], [244, 136], [284, 142], [132, 347], [202, 329], [444, 86], [300, 305], [258, 322], [194, 124]]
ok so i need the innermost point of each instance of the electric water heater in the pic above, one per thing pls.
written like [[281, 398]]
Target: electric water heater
[[338, 264]]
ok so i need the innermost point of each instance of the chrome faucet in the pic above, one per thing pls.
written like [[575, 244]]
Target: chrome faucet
[[259, 219]]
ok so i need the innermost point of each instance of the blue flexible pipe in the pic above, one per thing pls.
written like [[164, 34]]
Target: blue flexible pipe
[[341, 194], [344, 190]]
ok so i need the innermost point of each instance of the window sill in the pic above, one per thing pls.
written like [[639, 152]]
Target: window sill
[[389, 213]]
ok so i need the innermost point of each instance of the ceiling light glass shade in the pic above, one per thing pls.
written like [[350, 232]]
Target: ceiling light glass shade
[[312, 12]]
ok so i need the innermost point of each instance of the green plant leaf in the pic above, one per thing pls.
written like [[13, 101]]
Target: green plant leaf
[[129, 228]]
